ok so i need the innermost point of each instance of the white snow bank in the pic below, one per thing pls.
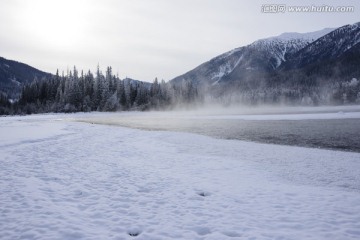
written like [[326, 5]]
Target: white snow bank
[[19, 130], [104, 182]]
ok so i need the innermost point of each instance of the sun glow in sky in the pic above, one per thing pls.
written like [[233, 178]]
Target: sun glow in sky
[[145, 39], [54, 24]]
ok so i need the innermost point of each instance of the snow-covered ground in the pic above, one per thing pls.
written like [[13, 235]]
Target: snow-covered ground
[[69, 180]]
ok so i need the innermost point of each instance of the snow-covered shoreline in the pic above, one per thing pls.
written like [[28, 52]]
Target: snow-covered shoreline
[[69, 180]]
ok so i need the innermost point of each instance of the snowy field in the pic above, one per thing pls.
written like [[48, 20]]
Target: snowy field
[[61, 179]]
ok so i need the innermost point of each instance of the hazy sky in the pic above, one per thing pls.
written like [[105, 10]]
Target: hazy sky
[[144, 39]]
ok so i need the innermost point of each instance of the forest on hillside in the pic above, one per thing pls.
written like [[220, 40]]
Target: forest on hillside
[[84, 92]]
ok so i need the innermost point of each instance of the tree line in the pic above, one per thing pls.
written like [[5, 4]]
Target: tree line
[[84, 92]]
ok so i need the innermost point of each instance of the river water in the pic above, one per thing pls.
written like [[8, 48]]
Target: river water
[[340, 133]]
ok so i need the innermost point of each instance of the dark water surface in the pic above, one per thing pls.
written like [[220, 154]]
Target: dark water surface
[[337, 134]]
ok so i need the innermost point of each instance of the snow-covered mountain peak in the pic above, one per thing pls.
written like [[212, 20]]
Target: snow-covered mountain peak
[[280, 47], [276, 50], [290, 50], [310, 36], [355, 26], [329, 46]]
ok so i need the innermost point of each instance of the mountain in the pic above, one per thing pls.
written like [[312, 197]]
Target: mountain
[[328, 47], [332, 59], [134, 83], [14, 74], [320, 67], [263, 55]]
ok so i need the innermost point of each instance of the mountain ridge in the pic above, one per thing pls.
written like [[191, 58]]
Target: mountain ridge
[[335, 43], [319, 67], [14, 74], [264, 56]]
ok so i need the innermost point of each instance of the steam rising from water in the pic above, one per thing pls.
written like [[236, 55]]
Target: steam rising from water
[[324, 127]]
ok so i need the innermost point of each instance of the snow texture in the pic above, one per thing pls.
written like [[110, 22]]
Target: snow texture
[[227, 67], [68, 180], [310, 36], [287, 43]]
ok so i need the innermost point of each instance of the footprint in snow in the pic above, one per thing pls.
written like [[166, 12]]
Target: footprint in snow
[[203, 194], [133, 234]]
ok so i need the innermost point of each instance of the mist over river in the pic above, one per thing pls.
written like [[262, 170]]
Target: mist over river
[[335, 128]]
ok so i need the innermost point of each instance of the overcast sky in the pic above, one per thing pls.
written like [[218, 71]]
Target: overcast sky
[[144, 39]]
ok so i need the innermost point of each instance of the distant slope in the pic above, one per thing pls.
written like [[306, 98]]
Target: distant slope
[[330, 70], [321, 67], [328, 47], [14, 74], [333, 58], [134, 82], [262, 56]]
